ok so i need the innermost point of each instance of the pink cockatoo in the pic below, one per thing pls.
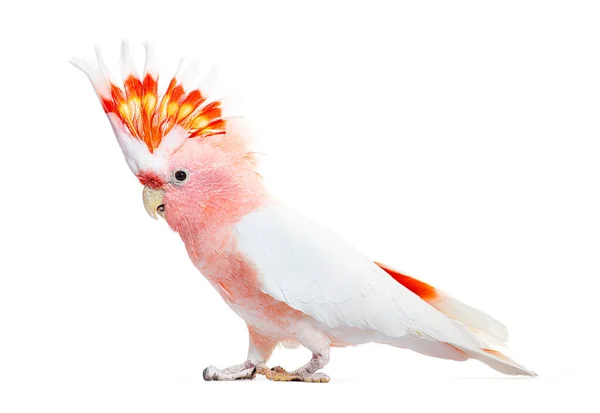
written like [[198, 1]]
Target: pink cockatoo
[[291, 280]]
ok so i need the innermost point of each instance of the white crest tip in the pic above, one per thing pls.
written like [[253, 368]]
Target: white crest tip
[[127, 66], [151, 66]]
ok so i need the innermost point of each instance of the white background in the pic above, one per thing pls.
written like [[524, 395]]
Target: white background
[[456, 141]]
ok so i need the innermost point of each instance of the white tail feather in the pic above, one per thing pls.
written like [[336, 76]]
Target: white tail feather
[[485, 327], [499, 362]]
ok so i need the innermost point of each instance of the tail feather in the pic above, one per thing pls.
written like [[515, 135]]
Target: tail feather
[[499, 362], [485, 327], [472, 322]]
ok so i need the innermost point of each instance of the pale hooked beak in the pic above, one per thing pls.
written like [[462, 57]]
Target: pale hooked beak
[[153, 202]]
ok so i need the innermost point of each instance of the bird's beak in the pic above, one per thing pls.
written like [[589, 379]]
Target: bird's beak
[[153, 202]]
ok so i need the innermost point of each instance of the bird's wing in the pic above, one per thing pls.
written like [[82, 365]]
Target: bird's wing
[[314, 271]]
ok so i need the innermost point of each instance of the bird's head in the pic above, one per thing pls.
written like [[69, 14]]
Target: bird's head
[[192, 159]]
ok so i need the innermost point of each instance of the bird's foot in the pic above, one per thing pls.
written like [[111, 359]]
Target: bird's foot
[[280, 374], [244, 371]]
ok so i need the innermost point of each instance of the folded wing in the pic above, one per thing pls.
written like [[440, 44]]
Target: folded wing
[[311, 269], [314, 271]]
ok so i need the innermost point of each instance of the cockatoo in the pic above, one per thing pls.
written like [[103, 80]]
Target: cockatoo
[[290, 279]]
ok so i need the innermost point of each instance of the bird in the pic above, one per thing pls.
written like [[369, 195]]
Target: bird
[[292, 281]]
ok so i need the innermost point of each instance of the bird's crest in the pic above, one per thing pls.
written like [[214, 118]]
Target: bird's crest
[[149, 125]]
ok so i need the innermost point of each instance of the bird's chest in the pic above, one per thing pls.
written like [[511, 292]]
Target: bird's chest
[[236, 280]]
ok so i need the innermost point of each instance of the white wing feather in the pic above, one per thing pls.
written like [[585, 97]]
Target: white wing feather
[[314, 271]]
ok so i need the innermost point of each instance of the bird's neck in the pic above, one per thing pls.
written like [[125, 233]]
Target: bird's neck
[[207, 228]]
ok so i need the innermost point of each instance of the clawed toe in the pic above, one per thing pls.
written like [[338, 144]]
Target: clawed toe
[[280, 374], [211, 373], [317, 378]]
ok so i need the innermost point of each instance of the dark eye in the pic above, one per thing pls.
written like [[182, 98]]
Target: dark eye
[[180, 176]]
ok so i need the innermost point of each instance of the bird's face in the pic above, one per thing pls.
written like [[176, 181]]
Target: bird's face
[[200, 186]]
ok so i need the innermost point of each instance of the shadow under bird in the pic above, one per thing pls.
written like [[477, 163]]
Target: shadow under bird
[[291, 280]]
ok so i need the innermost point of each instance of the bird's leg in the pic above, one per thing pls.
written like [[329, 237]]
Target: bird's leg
[[308, 372], [259, 351]]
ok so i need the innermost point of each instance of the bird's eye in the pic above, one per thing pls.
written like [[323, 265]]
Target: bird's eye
[[180, 176]]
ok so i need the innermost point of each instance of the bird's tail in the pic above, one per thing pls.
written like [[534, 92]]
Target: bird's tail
[[498, 361], [486, 329]]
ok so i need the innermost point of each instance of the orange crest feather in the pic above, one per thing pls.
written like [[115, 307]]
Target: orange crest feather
[[147, 115]]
